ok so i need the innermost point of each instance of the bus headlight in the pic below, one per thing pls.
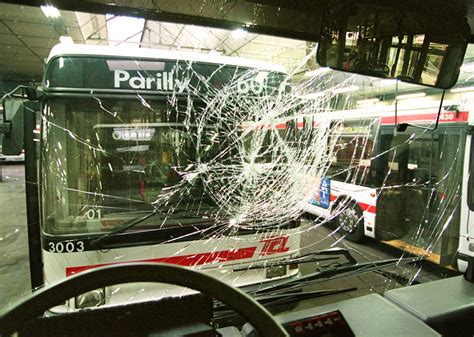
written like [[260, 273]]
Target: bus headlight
[[90, 299]]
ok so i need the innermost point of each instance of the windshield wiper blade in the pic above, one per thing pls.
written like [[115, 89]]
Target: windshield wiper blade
[[221, 310], [400, 279], [285, 263], [331, 273], [135, 221], [334, 254], [127, 225], [279, 299]]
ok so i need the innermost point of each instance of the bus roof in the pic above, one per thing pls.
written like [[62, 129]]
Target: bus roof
[[64, 49]]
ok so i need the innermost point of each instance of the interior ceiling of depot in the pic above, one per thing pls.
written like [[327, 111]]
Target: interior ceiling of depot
[[27, 36], [280, 31]]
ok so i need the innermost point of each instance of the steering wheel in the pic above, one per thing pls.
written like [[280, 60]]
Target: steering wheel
[[41, 300]]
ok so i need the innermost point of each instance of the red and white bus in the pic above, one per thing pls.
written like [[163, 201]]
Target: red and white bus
[[411, 188], [126, 161]]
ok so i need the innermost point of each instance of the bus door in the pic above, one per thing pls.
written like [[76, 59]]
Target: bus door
[[420, 173], [466, 246]]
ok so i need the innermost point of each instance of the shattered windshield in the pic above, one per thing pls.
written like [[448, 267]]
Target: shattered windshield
[[229, 152]]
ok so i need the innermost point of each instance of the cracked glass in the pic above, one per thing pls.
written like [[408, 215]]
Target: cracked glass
[[235, 155]]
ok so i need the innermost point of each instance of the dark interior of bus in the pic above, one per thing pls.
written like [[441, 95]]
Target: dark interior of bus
[[414, 184]]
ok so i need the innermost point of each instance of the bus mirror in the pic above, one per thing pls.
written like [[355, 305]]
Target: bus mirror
[[12, 144], [394, 42], [13, 104], [31, 93]]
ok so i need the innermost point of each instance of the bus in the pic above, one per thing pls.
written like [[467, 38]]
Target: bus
[[127, 164], [402, 187]]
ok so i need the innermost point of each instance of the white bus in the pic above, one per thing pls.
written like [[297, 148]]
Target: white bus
[[402, 187], [124, 158]]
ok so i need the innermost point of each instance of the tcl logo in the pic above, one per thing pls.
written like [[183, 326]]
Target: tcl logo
[[274, 245]]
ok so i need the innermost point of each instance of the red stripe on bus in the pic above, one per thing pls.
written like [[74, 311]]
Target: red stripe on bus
[[299, 125], [367, 208], [445, 117], [363, 206], [183, 260]]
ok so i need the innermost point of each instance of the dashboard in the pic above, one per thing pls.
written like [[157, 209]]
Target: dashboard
[[438, 308]]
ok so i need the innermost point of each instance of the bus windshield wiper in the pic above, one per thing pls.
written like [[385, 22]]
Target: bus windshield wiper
[[332, 253], [222, 311], [137, 220], [330, 273], [127, 225], [294, 290]]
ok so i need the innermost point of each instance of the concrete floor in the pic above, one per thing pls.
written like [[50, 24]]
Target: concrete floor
[[14, 266]]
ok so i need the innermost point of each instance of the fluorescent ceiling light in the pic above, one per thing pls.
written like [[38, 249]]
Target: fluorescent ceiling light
[[462, 89], [415, 95], [50, 11], [66, 39], [368, 101], [345, 89], [124, 30], [239, 33]]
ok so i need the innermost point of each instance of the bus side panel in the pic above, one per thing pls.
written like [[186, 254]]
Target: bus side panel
[[364, 197]]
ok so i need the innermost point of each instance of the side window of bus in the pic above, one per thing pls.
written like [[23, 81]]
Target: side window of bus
[[351, 161], [352, 153], [413, 158], [409, 159]]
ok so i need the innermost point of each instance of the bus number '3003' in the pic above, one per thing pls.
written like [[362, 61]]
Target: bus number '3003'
[[66, 246]]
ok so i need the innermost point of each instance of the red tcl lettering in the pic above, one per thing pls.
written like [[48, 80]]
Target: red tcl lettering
[[274, 245]]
